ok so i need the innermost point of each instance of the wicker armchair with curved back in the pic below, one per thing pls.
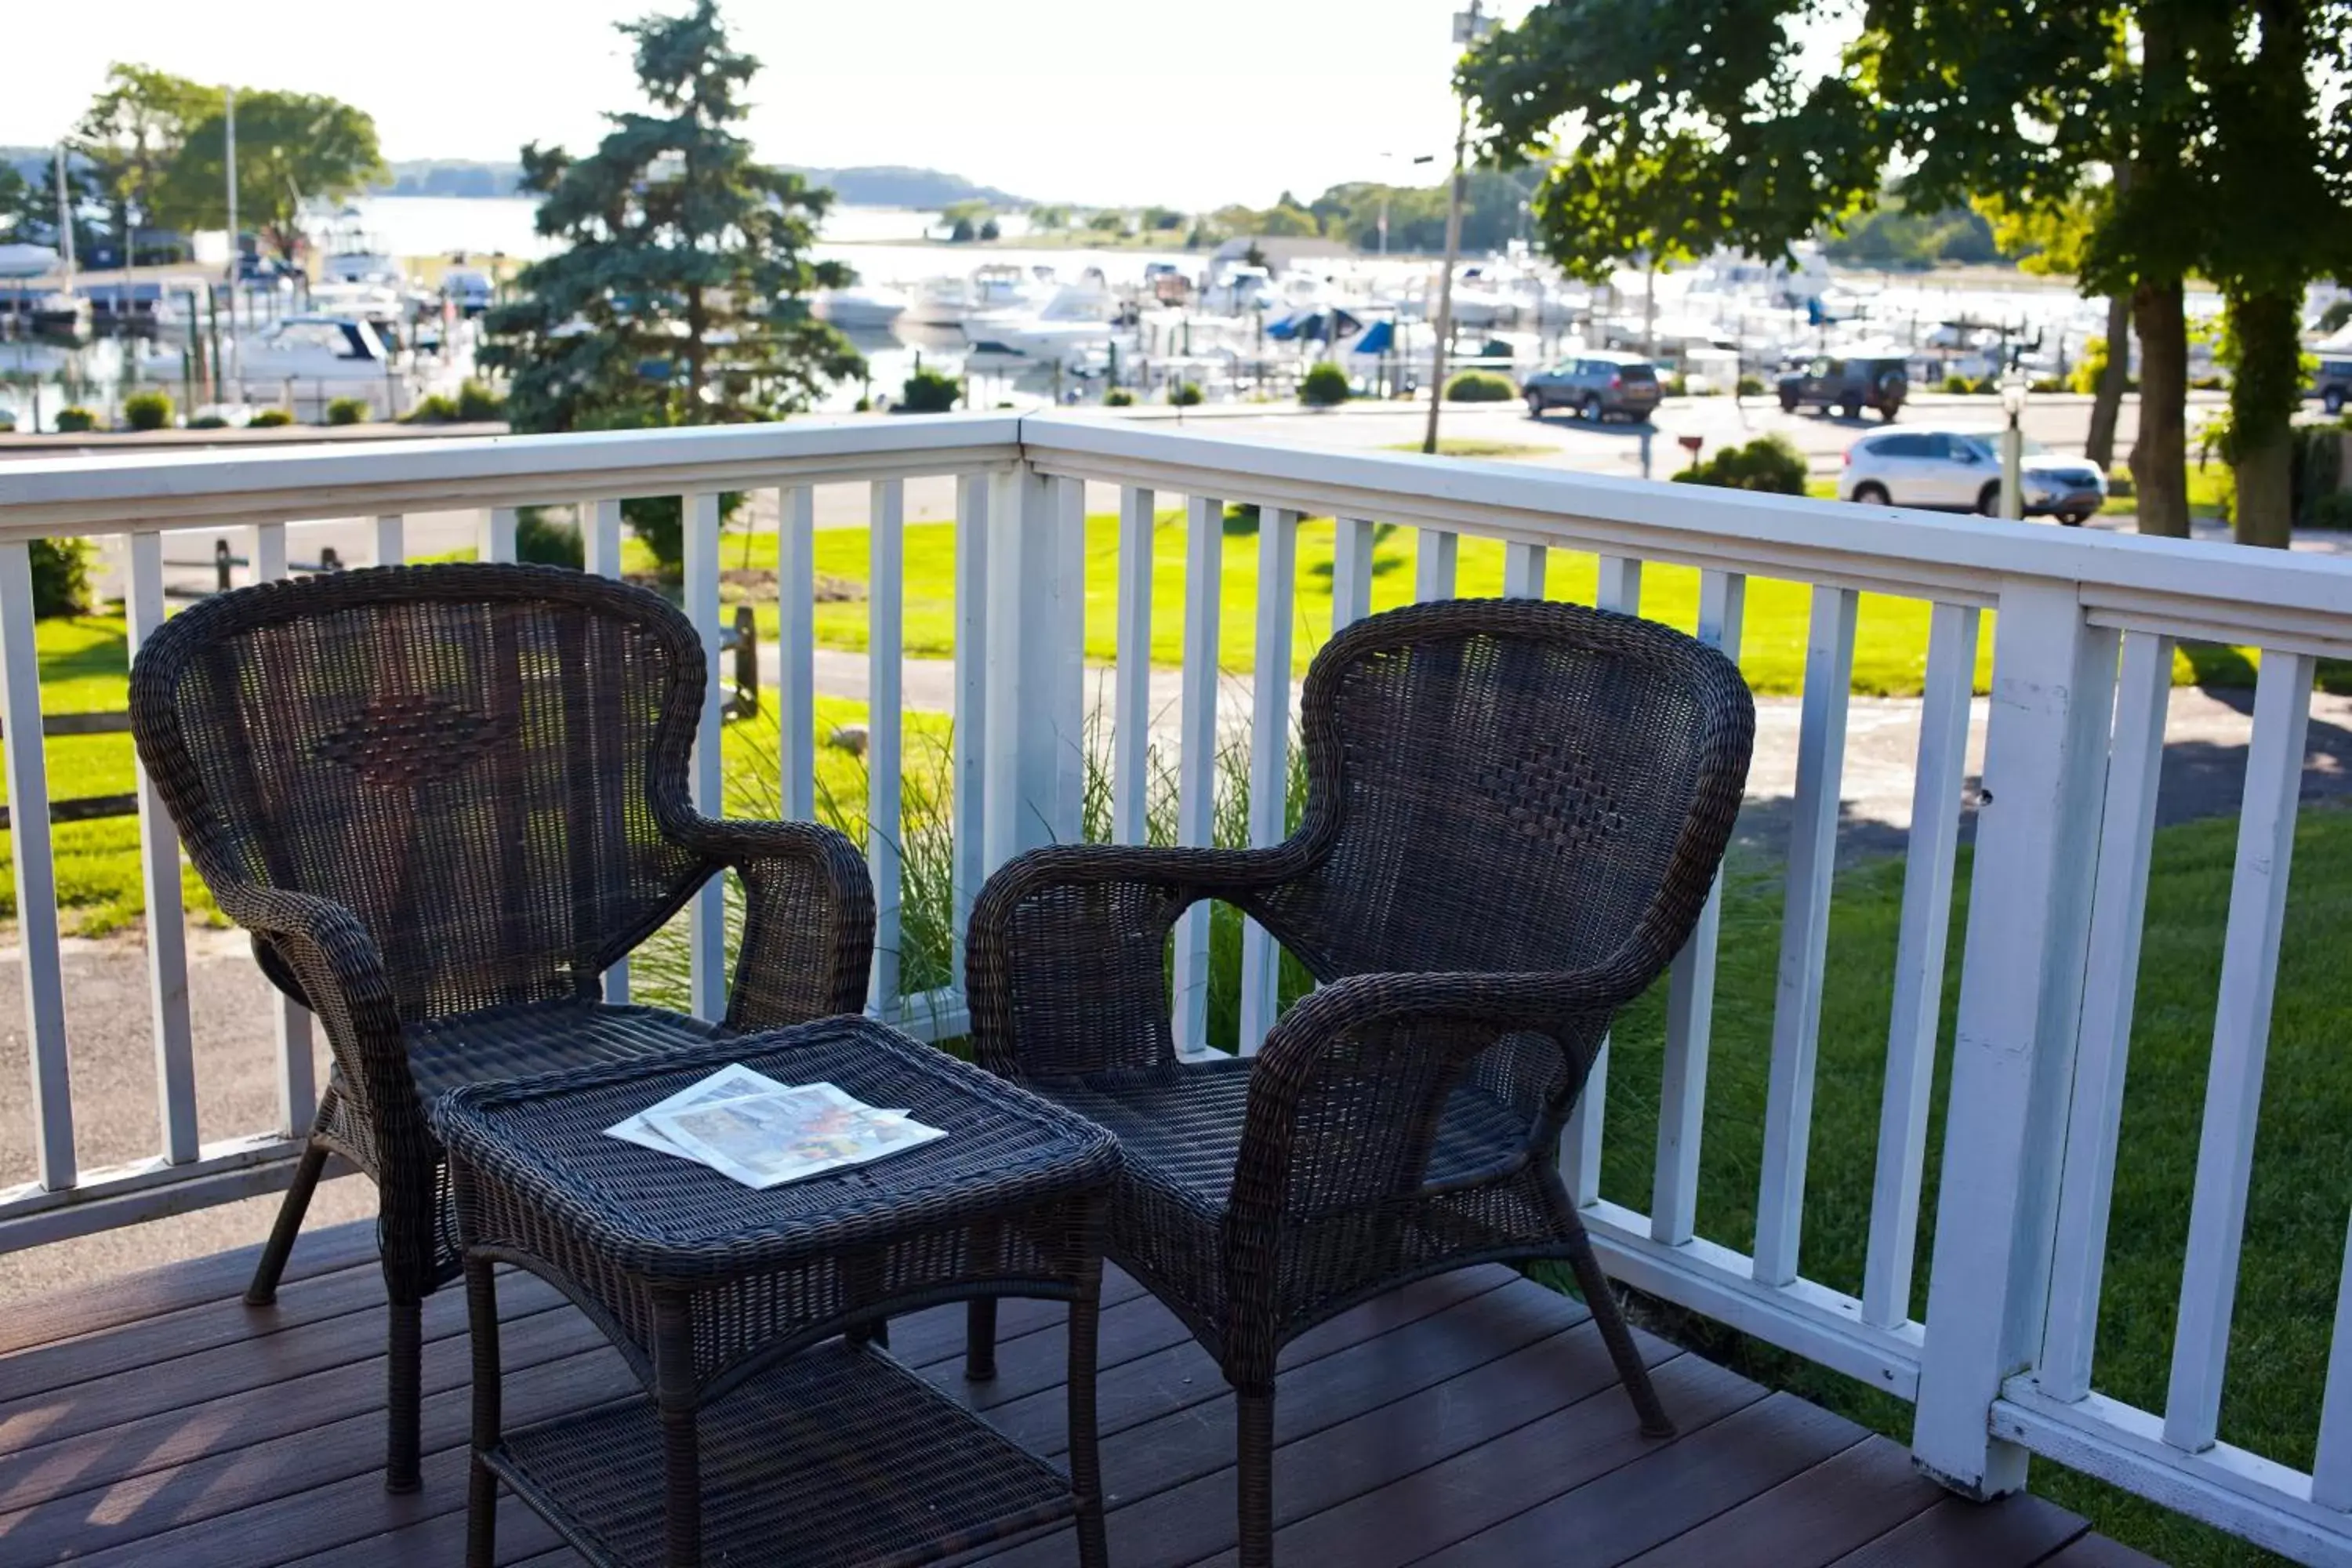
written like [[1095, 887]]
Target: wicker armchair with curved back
[[1515, 812], [445, 800]]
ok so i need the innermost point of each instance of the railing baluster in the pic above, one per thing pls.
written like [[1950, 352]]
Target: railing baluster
[[1523, 570], [1277, 563], [1130, 718], [2111, 980], [1580, 1140], [36, 888], [1197, 760], [498, 534], [1920, 963], [706, 912], [1058, 686], [1352, 572], [159, 871], [2331, 1471], [1433, 565], [2241, 1025], [298, 1074], [391, 539], [885, 644], [796, 652], [1690, 987], [969, 738], [599, 552], [1804, 932]]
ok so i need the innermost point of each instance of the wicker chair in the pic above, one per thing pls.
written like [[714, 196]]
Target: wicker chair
[[444, 800], [1514, 810]]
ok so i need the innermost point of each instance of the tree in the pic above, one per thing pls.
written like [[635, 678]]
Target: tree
[[32, 206], [291, 147], [2050, 240], [12, 200], [132, 132], [680, 296]]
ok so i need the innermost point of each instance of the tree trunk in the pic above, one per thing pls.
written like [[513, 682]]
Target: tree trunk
[[2108, 404], [2266, 384], [2160, 457]]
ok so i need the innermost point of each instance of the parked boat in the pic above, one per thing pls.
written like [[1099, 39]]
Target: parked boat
[[862, 305]]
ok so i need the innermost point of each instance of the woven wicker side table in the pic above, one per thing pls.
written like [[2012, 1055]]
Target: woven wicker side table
[[782, 1430]]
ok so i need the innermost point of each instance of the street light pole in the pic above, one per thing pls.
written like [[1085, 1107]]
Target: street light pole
[[2012, 445], [1469, 27]]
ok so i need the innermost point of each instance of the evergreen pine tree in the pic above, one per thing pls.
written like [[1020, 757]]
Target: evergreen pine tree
[[681, 295]]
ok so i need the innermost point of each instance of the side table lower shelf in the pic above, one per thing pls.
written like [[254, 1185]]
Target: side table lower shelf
[[834, 1457]]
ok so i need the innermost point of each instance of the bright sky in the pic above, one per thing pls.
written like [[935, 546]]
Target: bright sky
[[1193, 104]]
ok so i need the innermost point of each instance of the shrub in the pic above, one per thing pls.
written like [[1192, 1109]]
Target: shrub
[[208, 422], [2207, 383], [269, 420], [60, 576], [147, 411], [930, 392], [1325, 385], [1957, 384], [545, 542], [1119, 397], [1767, 463], [660, 521], [2333, 509], [2316, 473], [1185, 394], [437, 408], [1478, 386], [1673, 385], [2046, 384], [348, 411], [1751, 386], [477, 404], [73, 421]]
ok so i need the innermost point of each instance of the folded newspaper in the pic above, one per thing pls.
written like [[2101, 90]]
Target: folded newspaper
[[747, 1127]]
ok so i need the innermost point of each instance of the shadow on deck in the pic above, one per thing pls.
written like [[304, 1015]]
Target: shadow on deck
[[1470, 1419]]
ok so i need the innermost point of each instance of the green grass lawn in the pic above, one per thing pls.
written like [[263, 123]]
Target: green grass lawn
[[1478, 446]]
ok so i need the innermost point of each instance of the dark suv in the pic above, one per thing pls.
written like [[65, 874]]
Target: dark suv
[[1849, 385], [1594, 384], [2333, 385]]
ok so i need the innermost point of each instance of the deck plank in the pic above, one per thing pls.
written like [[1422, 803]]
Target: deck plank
[[1472, 1418]]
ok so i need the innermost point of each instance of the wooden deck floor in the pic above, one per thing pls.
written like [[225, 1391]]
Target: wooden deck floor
[[1470, 1419]]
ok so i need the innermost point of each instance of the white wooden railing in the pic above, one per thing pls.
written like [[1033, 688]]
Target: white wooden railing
[[2001, 1365]]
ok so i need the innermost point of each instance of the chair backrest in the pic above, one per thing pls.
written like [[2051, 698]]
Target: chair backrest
[[476, 759], [1510, 787]]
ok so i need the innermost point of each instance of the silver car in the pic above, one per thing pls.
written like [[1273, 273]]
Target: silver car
[[1959, 470]]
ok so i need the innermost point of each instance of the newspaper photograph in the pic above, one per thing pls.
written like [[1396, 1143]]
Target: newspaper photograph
[[784, 1133]]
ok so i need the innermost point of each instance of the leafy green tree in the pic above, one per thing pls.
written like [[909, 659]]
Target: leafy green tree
[[132, 133], [2049, 240], [680, 295], [1162, 220], [291, 147], [12, 200]]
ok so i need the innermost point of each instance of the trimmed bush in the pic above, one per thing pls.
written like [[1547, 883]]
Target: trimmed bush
[[440, 408], [1119, 397], [269, 420], [660, 521], [1751, 386], [75, 420], [545, 542], [477, 404], [1185, 394], [1768, 463], [348, 411], [1325, 385], [1479, 386], [208, 422], [60, 576], [2333, 509], [1960, 383], [147, 411], [930, 392]]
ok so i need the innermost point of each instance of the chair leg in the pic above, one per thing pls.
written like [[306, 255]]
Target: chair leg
[[980, 1340], [263, 1291], [404, 1397], [1615, 1335], [1254, 1475]]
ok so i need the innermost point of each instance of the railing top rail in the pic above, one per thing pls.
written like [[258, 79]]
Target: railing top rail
[[2226, 588], [215, 487]]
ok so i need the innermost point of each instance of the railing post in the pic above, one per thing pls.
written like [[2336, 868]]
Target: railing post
[[2013, 1049], [1036, 685]]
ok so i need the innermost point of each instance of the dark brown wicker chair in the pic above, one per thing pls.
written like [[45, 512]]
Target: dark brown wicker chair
[[445, 800], [1514, 810]]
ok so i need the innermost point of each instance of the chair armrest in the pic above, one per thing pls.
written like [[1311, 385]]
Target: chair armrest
[[1348, 1095], [1065, 955], [808, 918]]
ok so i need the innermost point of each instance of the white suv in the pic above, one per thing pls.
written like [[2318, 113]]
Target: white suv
[[1959, 470]]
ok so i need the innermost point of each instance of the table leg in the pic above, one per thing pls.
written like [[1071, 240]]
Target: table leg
[[482, 1486], [1086, 1459], [675, 1399]]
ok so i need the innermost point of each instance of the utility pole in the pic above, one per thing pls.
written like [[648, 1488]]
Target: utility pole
[[235, 255], [1469, 27], [64, 221]]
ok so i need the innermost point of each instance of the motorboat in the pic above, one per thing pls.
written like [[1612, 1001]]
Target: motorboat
[[27, 260], [45, 313], [314, 348], [862, 305], [994, 287]]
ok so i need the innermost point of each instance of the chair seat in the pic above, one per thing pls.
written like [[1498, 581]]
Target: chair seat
[[503, 1043]]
